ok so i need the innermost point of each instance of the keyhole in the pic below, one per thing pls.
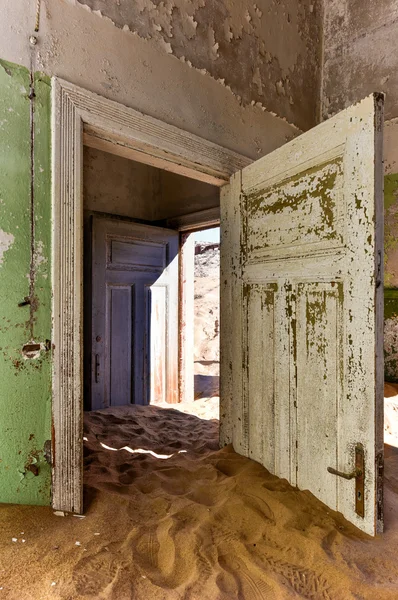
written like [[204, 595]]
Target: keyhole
[[359, 495]]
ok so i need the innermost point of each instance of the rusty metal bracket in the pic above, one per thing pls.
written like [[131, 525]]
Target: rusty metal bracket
[[26, 301], [359, 475]]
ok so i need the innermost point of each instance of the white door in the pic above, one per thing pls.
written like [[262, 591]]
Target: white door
[[134, 357], [301, 313]]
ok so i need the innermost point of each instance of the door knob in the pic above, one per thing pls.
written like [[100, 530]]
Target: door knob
[[358, 473]]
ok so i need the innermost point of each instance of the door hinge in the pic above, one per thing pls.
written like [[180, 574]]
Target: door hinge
[[358, 473], [97, 368], [378, 271]]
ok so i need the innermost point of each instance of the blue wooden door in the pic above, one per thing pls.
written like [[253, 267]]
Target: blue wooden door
[[134, 356]]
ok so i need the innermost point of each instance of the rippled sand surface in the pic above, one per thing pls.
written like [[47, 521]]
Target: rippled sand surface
[[170, 516]]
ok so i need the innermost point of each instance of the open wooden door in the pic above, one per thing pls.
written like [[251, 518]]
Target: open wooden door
[[134, 299], [302, 313]]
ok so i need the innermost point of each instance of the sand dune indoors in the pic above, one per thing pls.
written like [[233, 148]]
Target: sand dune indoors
[[170, 516]]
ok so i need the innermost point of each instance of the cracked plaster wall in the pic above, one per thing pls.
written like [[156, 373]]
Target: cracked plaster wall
[[265, 51], [361, 56], [243, 77]]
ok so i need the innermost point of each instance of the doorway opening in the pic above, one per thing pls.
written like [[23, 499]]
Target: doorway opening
[[80, 118], [137, 341], [147, 288], [254, 310], [207, 319]]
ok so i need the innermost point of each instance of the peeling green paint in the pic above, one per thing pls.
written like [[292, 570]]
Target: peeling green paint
[[391, 230], [391, 277], [25, 399], [391, 334], [312, 191]]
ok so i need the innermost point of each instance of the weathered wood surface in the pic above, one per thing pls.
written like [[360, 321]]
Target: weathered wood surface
[[209, 217], [186, 317], [67, 308], [302, 313], [121, 130], [231, 409], [134, 314]]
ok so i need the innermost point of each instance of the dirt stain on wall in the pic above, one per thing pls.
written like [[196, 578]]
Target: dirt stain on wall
[[267, 53]]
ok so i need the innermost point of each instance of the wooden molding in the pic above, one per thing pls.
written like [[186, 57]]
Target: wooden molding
[[115, 128], [67, 144], [201, 219], [79, 117]]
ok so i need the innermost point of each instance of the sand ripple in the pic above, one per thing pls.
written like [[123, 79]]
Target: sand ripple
[[170, 516]]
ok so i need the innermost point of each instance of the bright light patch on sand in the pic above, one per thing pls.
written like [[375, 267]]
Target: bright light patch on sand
[[141, 451]]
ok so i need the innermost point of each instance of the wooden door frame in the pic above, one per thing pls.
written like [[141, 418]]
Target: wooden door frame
[[82, 117]]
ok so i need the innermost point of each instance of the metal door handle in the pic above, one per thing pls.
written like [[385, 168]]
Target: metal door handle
[[356, 473], [97, 368], [359, 475]]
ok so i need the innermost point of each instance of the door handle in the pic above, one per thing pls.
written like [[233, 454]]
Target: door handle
[[97, 368], [358, 473]]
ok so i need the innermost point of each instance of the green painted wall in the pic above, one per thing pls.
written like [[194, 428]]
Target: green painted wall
[[25, 388], [391, 277]]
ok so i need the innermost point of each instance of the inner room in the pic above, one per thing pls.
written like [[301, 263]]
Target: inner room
[[141, 330]]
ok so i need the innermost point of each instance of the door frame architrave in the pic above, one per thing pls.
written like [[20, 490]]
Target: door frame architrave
[[80, 117]]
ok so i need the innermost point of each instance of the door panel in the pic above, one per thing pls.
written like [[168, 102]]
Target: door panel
[[261, 357], [121, 340], [134, 314], [318, 313], [135, 254], [302, 311]]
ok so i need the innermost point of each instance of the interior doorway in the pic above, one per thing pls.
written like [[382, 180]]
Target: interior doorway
[[80, 118], [249, 298], [136, 349], [207, 314]]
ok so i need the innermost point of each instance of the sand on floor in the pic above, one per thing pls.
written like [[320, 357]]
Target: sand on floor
[[170, 516]]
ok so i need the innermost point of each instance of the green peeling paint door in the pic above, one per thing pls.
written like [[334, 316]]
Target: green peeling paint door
[[302, 313]]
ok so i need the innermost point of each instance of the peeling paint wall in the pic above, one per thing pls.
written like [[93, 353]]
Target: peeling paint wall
[[25, 396], [391, 276], [360, 50], [266, 52], [360, 53], [214, 99]]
